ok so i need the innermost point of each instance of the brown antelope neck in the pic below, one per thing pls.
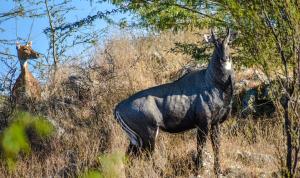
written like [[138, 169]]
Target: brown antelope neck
[[26, 84]]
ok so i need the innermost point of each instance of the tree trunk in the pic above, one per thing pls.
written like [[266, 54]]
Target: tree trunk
[[287, 128]]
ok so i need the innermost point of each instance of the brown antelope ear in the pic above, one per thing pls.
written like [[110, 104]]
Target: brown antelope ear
[[29, 43], [226, 40], [18, 45]]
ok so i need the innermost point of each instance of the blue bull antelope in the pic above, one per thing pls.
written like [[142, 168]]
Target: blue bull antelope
[[201, 99]]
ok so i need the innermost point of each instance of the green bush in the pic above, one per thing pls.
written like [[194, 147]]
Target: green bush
[[14, 138], [112, 166]]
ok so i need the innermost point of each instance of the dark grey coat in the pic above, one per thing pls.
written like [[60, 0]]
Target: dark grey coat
[[201, 100]]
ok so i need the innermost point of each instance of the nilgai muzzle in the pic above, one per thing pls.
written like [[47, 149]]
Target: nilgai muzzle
[[201, 99]]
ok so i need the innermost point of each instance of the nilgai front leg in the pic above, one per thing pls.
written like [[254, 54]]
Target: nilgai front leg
[[215, 139], [201, 140]]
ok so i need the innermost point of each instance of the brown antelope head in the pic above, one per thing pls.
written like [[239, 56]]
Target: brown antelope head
[[26, 52]]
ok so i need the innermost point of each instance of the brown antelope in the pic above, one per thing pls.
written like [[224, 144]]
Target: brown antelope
[[26, 88], [200, 99]]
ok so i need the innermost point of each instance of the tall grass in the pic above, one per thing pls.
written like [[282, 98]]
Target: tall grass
[[82, 96]]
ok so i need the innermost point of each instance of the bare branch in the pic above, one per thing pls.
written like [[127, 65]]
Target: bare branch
[[53, 35]]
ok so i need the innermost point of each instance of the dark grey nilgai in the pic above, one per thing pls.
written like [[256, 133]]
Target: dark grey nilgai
[[201, 99]]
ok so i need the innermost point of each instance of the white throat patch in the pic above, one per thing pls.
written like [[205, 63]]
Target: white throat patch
[[23, 63], [228, 65]]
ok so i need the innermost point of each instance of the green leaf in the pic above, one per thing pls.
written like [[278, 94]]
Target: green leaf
[[14, 138], [92, 174]]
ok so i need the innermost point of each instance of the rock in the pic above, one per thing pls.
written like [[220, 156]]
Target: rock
[[234, 172], [254, 158], [256, 101]]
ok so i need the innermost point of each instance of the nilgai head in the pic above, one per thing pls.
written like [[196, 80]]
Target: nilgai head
[[221, 52]]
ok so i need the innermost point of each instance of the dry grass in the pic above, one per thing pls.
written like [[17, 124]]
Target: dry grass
[[84, 110]]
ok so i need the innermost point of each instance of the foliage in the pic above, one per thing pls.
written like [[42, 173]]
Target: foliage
[[14, 138], [256, 42], [175, 15], [271, 36], [111, 165], [92, 174], [192, 49]]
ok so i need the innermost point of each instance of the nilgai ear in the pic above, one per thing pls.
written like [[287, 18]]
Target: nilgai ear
[[213, 37], [207, 38], [226, 40], [210, 38], [29, 43], [18, 45]]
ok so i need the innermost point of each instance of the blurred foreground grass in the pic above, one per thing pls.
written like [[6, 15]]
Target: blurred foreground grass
[[112, 166], [14, 139]]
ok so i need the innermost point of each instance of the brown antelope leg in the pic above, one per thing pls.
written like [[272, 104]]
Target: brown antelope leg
[[215, 138], [201, 140]]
